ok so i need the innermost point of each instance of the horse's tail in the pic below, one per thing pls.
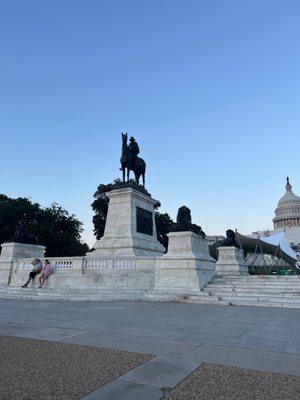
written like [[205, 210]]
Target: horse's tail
[[141, 165]]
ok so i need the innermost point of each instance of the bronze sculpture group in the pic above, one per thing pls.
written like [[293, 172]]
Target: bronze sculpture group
[[230, 239], [184, 222], [130, 160], [22, 234]]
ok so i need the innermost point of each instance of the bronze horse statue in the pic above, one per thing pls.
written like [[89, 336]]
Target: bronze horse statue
[[22, 234], [138, 167]]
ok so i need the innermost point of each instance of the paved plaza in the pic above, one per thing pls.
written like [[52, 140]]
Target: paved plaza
[[180, 337]]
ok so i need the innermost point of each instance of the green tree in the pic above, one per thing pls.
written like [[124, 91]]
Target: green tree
[[100, 208], [12, 211], [56, 229], [163, 226]]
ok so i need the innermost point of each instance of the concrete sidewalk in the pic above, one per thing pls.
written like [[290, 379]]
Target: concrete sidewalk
[[182, 336]]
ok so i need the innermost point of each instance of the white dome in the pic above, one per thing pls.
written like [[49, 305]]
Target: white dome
[[287, 213]]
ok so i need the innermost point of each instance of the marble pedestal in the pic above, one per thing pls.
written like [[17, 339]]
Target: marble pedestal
[[231, 261], [130, 228], [185, 269], [14, 251]]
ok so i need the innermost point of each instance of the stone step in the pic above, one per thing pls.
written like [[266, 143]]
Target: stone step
[[257, 284], [251, 286], [200, 300], [257, 294], [250, 290], [267, 291], [244, 302], [264, 304], [70, 297], [245, 286], [264, 279], [254, 295], [241, 279], [66, 289], [259, 298], [159, 295], [259, 277], [70, 294]]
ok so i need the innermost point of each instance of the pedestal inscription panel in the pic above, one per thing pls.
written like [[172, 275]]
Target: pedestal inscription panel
[[144, 221]]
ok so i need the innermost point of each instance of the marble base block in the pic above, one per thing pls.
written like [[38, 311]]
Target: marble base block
[[13, 251], [129, 213], [187, 267], [231, 261]]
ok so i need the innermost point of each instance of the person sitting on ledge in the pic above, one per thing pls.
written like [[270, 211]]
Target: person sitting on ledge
[[47, 271], [37, 268]]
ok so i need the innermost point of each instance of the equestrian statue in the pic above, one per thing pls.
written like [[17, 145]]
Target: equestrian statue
[[22, 234], [130, 159]]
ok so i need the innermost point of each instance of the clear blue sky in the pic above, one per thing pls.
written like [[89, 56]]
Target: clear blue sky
[[210, 89]]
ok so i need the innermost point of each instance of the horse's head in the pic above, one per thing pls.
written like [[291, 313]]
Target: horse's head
[[124, 137]]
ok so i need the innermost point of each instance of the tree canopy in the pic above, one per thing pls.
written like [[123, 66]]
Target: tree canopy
[[100, 207], [56, 229]]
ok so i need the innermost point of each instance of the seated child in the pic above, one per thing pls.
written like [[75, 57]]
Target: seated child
[[47, 271]]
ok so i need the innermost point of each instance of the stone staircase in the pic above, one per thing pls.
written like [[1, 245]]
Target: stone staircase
[[251, 290], [68, 294]]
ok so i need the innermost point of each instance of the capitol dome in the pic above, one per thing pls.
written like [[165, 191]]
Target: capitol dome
[[287, 213]]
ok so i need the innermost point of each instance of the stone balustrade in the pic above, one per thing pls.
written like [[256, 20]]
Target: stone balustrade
[[109, 264], [60, 264], [97, 264], [65, 264], [123, 264], [130, 273]]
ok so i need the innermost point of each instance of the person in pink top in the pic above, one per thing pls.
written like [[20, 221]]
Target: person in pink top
[[47, 271]]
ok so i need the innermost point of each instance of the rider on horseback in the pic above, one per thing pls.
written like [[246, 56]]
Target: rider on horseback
[[130, 160], [134, 150]]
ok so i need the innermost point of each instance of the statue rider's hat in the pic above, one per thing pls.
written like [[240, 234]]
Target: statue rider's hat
[[132, 139]]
